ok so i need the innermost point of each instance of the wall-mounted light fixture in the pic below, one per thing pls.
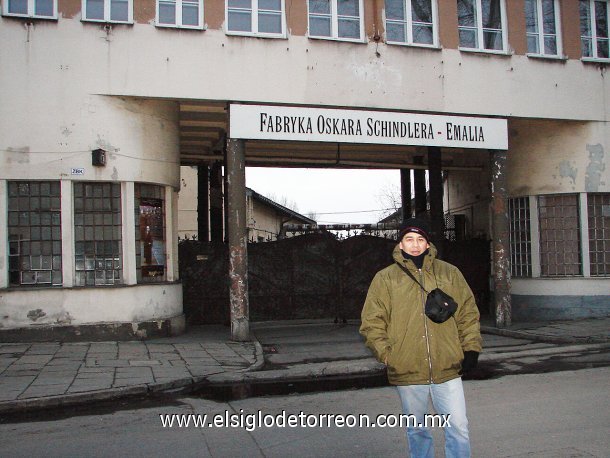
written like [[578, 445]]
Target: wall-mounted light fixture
[[98, 157]]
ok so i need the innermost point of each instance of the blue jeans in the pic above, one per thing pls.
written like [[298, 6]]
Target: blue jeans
[[447, 399]]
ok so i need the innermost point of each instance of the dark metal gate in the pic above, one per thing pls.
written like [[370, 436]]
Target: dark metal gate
[[305, 277]]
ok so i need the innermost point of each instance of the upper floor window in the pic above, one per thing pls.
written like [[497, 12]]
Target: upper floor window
[[180, 13], [256, 17], [542, 20], [594, 28], [338, 19], [108, 10], [43, 9], [411, 22], [481, 24]]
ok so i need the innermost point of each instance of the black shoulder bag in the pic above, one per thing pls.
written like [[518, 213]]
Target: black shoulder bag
[[440, 306]]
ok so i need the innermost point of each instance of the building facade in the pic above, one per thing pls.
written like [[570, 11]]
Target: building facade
[[103, 101]]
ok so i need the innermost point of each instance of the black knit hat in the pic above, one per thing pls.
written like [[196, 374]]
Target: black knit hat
[[417, 225]]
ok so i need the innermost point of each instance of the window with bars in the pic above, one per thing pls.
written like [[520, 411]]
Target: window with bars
[[520, 238], [149, 213], [34, 233], [560, 253], [97, 234], [598, 206]]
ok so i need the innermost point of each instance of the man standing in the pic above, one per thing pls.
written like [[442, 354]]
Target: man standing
[[424, 359]]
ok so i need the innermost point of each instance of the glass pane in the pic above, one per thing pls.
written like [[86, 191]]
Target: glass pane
[[240, 4], [550, 45], [395, 9], [586, 47], [95, 9], [274, 5], [349, 28], [119, 10], [421, 11], [585, 18], [44, 8], [602, 49], [468, 38], [269, 23], [190, 14], [396, 32], [422, 34], [491, 14], [240, 21], [319, 6], [18, 6], [601, 19], [548, 16], [493, 40], [319, 26], [167, 13], [348, 8], [532, 44], [531, 16], [467, 15]]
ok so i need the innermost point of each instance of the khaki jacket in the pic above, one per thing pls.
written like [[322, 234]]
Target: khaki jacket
[[395, 326]]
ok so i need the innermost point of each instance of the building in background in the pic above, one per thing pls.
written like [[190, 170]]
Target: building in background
[[103, 101]]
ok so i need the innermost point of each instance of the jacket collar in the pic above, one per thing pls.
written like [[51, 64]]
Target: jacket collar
[[399, 258]]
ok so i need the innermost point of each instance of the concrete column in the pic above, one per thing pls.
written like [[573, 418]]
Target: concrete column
[[67, 234], [4, 249], [419, 176], [128, 233], [216, 205], [171, 239], [203, 203], [405, 193], [500, 239], [238, 239], [437, 219]]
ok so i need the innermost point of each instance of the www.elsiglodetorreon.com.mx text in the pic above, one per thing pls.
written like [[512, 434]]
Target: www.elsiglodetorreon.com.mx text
[[252, 421]]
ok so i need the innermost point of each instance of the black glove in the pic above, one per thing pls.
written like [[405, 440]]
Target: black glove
[[471, 359]]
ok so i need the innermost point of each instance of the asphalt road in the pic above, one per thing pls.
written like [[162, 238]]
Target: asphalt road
[[557, 414]]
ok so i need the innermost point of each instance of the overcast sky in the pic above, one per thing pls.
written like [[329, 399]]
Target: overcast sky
[[329, 193]]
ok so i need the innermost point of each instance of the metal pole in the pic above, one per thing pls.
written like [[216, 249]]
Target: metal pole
[[238, 242], [500, 239], [436, 196], [419, 176], [405, 193]]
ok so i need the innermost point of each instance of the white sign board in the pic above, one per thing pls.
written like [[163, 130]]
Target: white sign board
[[267, 122], [78, 171]]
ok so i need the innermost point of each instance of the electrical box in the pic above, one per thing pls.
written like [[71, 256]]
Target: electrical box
[[98, 157]]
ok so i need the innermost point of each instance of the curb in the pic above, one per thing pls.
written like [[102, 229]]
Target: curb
[[542, 338]]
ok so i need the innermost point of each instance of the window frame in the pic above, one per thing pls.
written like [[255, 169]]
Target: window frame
[[334, 24], [520, 235], [178, 4], [540, 34], [31, 11], [107, 9], [593, 31], [408, 21], [479, 29], [254, 13]]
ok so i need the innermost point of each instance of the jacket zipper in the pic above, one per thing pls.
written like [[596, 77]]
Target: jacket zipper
[[426, 326]]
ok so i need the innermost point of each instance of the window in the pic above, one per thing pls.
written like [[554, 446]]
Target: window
[[481, 24], [542, 19], [338, 19], [108, 10], [599, 233], [520, 240], [594, 28], [180, 13], [255, 17], [559, 235], [42, 9], [34, 233], [411, 22], [97, 234], [149, 215]]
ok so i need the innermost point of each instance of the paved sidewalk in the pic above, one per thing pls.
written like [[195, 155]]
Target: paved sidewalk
[[43, 375]]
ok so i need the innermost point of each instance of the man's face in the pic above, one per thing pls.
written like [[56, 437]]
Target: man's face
[[414, 244]]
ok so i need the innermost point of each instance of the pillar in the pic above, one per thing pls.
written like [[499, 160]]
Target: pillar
[[216, 204], [419, 178], [500, 239], [238, 241], [437, 219], [405, 193], [203, 205]]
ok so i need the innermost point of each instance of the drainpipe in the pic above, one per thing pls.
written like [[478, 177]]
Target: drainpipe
[[238, 239], [500, 239]]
